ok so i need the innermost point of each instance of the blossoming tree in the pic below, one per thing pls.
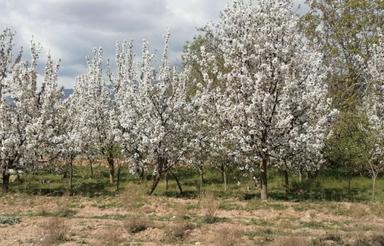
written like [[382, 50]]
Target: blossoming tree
[[272, 85], [27, 108]]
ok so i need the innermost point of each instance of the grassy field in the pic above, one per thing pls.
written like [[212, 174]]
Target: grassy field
[[318, 211]]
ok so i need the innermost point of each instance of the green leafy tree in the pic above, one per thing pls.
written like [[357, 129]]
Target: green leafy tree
[[345, 29]]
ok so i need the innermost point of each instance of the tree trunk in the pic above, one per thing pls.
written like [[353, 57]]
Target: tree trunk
[[91, 166], [154, 184], [71, 175], [225, 179], [222, 169], [65, 174], [161, 162], [118, 176], [111, 165], [349, 184], [300, 177], [201, 181], [177, 182], [6, 176], [286, 181], [263, 179], [374, 177], [166, 181], [142, 174]]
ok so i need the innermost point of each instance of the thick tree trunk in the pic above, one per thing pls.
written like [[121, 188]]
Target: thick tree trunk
[[263, 179], [143, 176], [177, 182], [161, 163], [286, 181], [5, 185], [111, 165], [154, 184]]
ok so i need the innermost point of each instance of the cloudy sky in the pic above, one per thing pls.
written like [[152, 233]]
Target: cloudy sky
[[69, 29]]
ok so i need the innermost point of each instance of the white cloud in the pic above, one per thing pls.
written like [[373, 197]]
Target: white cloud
[[71, 28]]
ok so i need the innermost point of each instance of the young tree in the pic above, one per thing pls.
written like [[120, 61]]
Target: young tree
[[374, 106], [97, 120], [157, 103], [46, 130], [272, 85], [26, 116], [204, 150]]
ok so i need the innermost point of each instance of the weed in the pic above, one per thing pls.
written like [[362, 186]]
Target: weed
[[137, 224], [210, 206], [179, 230], [328, 239], [9, 220], [62, 212]]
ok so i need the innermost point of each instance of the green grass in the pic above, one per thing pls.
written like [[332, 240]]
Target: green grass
[[321, 188]]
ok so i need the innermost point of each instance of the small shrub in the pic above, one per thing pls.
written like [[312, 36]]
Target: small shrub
[[9, 220], [210, 219], [55, 232], [328, 239], [137, 224], [180, 230], [64, 212], [210, 207]]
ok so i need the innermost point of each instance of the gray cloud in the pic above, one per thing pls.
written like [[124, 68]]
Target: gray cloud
[[71, 28]]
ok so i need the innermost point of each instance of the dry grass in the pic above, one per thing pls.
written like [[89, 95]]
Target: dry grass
[[375, 240], [228, 236], [137, 224], [181, 221], [179, 231], [210, 206], [113, 236], [55, 232], [133, 197], [290, 241]]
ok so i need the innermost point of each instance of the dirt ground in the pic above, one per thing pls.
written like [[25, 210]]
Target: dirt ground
[[134, 218]]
